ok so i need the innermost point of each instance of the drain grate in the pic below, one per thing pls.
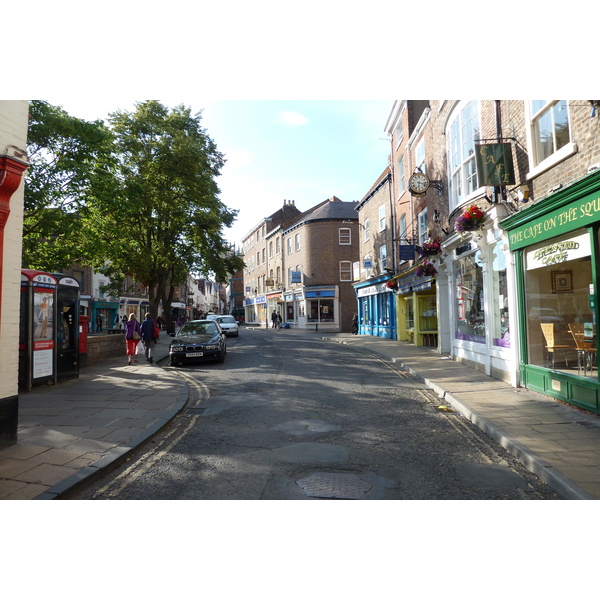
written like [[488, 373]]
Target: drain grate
[[342, 486], [196, 410]]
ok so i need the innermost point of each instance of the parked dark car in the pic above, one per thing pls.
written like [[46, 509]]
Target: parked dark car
[[198, 341]]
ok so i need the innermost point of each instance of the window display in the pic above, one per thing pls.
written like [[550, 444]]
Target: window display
[[470, 315], [499, 300], [559, 304]]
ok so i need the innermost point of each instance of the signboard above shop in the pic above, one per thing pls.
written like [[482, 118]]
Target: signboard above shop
[[559, 251], [495, 164]]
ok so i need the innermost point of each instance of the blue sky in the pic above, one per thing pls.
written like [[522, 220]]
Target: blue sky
[[302, 150]]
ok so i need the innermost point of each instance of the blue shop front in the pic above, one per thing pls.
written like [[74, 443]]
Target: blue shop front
[[376, 304]]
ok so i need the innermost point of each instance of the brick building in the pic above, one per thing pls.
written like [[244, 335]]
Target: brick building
[[319, 252], [262, 250], [512, 189], [376, 303]]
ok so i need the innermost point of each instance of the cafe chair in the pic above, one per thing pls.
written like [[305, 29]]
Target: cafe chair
[[552, 346], [586, 350]]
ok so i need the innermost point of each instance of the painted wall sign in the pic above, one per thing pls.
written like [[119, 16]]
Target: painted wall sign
[[495, 164]]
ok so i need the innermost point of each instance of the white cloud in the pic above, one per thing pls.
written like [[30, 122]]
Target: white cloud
[[288, 117]]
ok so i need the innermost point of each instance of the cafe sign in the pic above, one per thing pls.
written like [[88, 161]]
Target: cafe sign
[[495, 164], [582, 213], [559, 251]]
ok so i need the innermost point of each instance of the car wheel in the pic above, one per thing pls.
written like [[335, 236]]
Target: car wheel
[[172, 361], [221, 358]]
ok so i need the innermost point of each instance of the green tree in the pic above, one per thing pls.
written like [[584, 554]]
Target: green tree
[[65, 154], [170, 220]]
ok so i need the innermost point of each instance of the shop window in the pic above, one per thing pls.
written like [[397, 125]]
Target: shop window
[[461, 134], [321, 311], [499, 300], [558, 301], [469, 299]]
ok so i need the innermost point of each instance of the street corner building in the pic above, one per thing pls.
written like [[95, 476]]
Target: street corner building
[[13, 163]]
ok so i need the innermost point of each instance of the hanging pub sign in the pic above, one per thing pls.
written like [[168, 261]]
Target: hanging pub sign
[[495, 164]]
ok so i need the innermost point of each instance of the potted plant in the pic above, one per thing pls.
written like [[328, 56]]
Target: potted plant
[[470, 220]]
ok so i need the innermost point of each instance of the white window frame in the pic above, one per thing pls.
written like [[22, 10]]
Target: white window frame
[[383, 256], [420, 156], [536, 165], [423, 226], [345, 233], [400, 175], [346, 270], [289, 245], [463, 170], [402, 229], [277, 245], [381, 217], [297, 242], [271, 249], [367, 230]]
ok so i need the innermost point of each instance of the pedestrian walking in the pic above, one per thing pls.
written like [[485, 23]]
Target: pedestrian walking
[[273, 320], [133, 336], [99, 324], [149, 331], [278, 321], [355, 324]]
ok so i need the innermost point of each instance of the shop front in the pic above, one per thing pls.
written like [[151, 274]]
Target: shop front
[[318, 308], [275, 305], [256, 311], [556, 245], [416, 309], [376, 307]]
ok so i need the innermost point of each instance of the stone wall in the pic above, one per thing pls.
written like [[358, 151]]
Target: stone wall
[[101, 347]]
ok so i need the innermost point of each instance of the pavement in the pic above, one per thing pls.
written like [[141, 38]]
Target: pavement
[[75, 431]]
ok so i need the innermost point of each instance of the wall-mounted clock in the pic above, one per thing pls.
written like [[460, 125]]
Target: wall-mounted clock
[[418, 184]]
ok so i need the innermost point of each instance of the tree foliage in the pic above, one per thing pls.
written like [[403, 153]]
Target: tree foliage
[[64, 153], [135, 197], [169, 221]]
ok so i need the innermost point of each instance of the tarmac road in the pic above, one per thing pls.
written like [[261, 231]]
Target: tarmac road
[[288, 417]]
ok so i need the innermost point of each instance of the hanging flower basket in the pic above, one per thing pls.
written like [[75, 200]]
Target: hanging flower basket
[[470, 220], [430, 248], [426, 269], [391, 284]]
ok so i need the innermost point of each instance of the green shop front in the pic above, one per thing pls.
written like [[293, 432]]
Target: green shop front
[[556, 249]]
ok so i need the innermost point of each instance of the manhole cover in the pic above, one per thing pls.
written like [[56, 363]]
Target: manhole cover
[[343, 486]]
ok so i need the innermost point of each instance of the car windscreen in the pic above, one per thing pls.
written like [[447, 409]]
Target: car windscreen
[[198, 329], [226, 320]]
